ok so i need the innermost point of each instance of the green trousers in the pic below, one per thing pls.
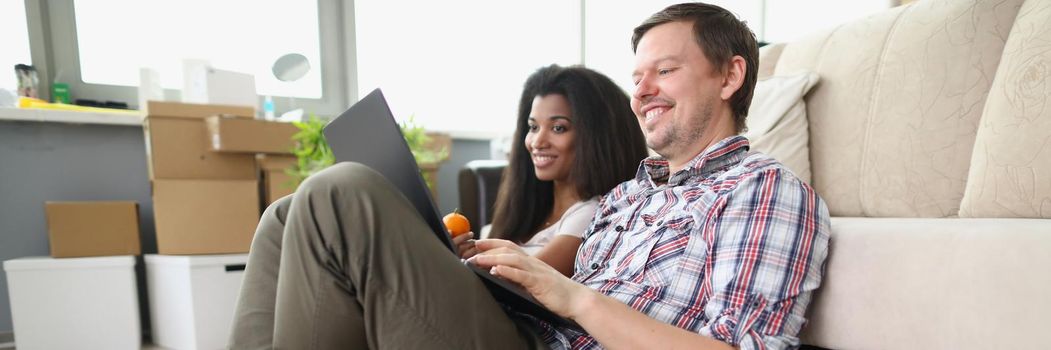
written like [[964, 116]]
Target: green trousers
[[346, 262]]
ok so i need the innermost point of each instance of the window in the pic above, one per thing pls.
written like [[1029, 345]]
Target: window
[[15, 38], [238, 35], [460, 65], [788, 20]]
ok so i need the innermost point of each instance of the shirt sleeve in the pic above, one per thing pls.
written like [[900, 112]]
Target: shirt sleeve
[[767, 249], [577, 219]]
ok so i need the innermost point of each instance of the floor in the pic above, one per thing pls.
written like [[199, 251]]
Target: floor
[[6, 343], [11, 346]]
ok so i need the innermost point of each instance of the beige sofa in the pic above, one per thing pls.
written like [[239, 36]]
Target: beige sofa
[[930, 140]]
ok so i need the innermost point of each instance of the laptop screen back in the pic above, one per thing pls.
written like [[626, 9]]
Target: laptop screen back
[[368, 134]]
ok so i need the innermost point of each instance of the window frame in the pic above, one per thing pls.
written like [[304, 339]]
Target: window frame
[[60, 27]]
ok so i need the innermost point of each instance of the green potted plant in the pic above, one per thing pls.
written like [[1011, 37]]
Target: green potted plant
[[311, 150], [313, 154], [429, 151]]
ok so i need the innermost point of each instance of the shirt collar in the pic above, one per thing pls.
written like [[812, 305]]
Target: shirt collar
[[726, 152]]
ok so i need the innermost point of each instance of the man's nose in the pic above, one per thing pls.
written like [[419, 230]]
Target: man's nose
[[645, 89]]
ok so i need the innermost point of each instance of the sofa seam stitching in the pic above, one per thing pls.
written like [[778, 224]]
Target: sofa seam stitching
[[876, 87]]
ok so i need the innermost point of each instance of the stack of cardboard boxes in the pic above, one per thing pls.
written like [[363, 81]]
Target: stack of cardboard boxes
[[203, 171], [204, 202]]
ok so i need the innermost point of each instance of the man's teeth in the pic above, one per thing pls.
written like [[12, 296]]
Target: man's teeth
[[654, 113]]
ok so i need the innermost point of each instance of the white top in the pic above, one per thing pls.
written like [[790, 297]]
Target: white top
[[195, 260], [573, 222], [49, 263]]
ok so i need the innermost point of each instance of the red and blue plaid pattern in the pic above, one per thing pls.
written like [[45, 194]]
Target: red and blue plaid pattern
[[731, 247]]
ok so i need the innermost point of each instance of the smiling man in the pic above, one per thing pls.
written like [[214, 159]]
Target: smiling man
[[710, 246]]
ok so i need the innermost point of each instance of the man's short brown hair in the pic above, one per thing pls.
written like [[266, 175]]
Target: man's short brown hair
[[720, 36]]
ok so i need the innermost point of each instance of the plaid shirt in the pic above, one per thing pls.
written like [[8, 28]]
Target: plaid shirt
[[731, 247]]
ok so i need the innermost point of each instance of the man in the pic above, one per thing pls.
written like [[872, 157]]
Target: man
[[709, 247]]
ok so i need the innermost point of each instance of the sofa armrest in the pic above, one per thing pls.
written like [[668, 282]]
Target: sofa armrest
[[479, 182]]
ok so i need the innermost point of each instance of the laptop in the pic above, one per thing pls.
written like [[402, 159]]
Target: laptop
[[359, 135]]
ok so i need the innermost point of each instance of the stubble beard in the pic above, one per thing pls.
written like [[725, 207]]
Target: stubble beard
[[678, 139]]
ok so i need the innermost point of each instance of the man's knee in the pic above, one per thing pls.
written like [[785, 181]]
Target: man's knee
[[343, 177], [278, 210], [271, 224]]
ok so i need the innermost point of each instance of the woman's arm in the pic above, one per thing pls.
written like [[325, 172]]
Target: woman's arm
[[560, 253]]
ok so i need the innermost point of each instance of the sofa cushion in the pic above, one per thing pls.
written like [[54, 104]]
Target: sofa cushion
[[923, 283], [892, 123], [1010, 173], [768, 56], [777, 123]]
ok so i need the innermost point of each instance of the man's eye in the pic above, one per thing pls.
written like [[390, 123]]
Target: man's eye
[[663, 71]]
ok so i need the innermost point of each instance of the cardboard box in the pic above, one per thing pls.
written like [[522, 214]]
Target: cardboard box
[[176, 145], [278, 184], [205, 216], [275, 180], [227, 134], [192, 298], [193, 110], [80, 229], [74, 303]]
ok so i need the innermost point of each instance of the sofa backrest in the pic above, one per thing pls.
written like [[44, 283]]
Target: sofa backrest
[[1011, 167], [894, 116]]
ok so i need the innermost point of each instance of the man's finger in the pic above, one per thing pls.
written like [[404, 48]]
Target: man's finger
[[518, 276]]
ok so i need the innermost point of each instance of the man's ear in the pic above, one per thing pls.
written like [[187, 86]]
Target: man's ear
[[734, 77]]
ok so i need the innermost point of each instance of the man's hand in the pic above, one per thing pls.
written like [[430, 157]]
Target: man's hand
[[612, 323], [507, 260]]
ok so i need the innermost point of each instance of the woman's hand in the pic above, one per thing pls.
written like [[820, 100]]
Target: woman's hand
[[507, 260], [465, 245]]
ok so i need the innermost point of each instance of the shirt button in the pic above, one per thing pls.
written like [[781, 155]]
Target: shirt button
[[620, 228], [594, 266]]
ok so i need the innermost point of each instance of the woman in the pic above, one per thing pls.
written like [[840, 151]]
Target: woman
[[578, 138]]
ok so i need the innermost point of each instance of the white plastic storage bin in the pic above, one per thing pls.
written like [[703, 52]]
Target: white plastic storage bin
[[192, 298], [74, 303]]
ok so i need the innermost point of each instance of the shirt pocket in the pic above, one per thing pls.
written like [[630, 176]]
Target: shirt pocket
[[666, 251], [656, 260]]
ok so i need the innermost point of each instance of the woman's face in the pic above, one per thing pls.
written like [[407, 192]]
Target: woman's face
[[550, 137]]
